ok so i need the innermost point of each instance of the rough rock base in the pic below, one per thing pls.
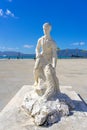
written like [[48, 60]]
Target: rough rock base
[[13, 117], [46, 112]]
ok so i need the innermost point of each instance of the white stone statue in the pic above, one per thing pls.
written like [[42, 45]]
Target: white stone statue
[[46, 53], [45, 103], [46, 60]]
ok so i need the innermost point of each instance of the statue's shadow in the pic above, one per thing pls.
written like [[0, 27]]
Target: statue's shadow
[[78, 105]]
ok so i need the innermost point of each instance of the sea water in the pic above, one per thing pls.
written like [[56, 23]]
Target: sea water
[[32, 56]]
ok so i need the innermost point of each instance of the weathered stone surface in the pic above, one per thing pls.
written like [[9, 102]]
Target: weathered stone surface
[[47, 111], [13, 117]]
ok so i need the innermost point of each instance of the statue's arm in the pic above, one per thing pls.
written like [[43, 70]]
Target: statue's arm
[[38, 48], [54, 59]]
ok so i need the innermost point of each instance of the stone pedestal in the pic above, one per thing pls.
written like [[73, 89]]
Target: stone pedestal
[[13, 117]]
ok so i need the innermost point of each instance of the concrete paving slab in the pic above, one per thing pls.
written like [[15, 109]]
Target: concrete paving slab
[[13, 117]]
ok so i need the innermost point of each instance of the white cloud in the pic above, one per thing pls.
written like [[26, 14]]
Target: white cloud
[[9, 0], [75, 44], [78, 44], [28, 46], [11, 49], [9, 13], [82, 43], [3, 48], [1, 12]]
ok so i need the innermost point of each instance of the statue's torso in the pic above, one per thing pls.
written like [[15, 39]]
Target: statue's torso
[[47, 46]]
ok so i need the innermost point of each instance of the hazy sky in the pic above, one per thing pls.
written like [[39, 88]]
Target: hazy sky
[[21, 23]]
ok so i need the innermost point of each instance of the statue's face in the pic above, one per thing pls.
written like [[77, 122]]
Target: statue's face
[[46, 30]]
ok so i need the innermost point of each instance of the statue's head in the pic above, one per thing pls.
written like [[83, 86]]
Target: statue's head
[[46, 28]]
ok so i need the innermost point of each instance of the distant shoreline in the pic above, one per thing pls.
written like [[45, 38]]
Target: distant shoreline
[[62, 54], [33, 58]]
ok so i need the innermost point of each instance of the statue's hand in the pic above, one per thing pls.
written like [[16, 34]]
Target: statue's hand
[[53, 66], [39, 55]]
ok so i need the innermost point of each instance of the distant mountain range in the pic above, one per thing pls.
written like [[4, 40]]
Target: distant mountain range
[[16, 55], [13, 53], [9, 53], [61, 53], [72, 53]]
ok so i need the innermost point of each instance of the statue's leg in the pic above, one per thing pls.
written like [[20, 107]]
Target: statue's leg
[[36, 71], [39, 71], [36, 76]]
